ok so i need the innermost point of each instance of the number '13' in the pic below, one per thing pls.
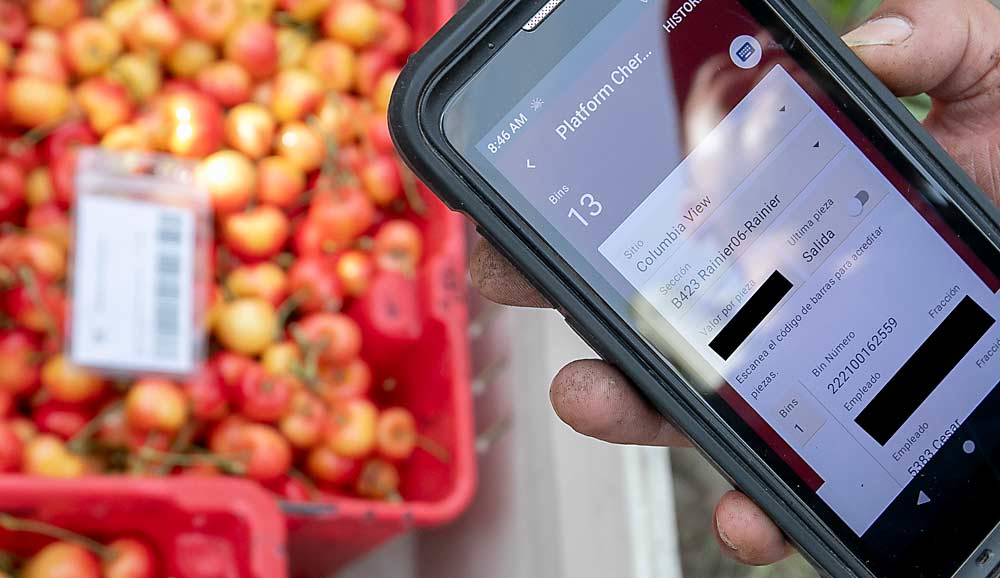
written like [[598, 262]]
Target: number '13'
[[592, 207]]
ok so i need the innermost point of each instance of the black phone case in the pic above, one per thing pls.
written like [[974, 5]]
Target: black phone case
[[415, 121]]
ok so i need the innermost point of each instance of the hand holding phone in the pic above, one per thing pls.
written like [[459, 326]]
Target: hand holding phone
[[722, 200], [914, 47]]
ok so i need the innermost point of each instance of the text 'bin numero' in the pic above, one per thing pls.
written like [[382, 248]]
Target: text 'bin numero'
[[925, 370], [753, 313]]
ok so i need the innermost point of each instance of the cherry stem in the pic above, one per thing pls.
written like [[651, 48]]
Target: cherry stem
[[38, 134], [411, 190], [227, 293], [80, 442], [308, 483], [366, 143], [8, 560], [177, 459], [182, 442], [285, 260], [301, 373], [329, 168], [35, 294], [285, 311], [10, 523], [433, 448], [285, 20], [11, 228], [390, 384], [7, 280]]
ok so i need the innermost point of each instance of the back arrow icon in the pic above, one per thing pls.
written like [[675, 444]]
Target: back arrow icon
[[531, 165]]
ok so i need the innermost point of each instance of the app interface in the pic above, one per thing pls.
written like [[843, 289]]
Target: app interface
[[749, 227]]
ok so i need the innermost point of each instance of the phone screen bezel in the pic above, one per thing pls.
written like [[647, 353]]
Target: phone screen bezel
[[968, 218]]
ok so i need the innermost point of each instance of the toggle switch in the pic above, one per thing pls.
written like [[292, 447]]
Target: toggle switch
[[858, 203]]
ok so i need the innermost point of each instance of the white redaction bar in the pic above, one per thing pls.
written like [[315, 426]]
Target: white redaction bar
[[723, 159]]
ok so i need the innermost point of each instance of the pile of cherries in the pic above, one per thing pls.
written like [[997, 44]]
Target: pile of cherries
[[283, 108]]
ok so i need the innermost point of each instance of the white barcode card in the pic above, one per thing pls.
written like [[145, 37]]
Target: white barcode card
[[133, 286]]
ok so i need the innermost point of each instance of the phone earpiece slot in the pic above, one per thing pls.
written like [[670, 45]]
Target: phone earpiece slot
[[540, 16]]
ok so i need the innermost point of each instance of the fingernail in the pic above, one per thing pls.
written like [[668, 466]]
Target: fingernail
[[722, 535], [885, 31]]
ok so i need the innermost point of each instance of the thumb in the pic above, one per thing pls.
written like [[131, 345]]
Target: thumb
[[946, 48]]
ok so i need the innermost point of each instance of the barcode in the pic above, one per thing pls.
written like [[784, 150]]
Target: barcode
[[167, 311]]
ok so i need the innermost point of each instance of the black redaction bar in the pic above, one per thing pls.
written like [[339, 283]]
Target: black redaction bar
[[753, 313], [925, 370]]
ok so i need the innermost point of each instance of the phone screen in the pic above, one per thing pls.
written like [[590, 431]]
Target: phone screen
[[697, 168]]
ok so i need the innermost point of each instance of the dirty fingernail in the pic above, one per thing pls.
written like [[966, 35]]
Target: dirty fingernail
[[885, 31], [722, 535]]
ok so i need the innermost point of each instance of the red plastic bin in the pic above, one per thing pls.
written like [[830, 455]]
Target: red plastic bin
[[198, 527], [429, 359], [416, 336]]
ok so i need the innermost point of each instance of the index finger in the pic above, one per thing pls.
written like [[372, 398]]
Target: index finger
[[499, 281]]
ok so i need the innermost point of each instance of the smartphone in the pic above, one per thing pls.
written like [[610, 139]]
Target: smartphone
[[729, 207]]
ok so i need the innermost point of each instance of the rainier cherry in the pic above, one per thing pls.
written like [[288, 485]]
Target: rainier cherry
[[381, 180], [69, 383], [329, 467], [225, 81], [398, 246], [192, 124], [155, 29], [206, 394], [32, 102], [19, 362], [351, 429], [279, 182], [354, 22], [264, 397], [296, 93], [264, 280], [190, 57], [90, 46], [47, 456], [229, 178], [355, 269], [257, 234], [305, 423], [254, 46], [301, 145], [333, 63], [281, 358], [313, 282], [396, 433], [247, 326], [378, 480], [250, 130], [342, 214], [63, 560], [156, 405], [337, 336], [348, 381], [210, 20], [55, 14], [129, 558], [265, 454]]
